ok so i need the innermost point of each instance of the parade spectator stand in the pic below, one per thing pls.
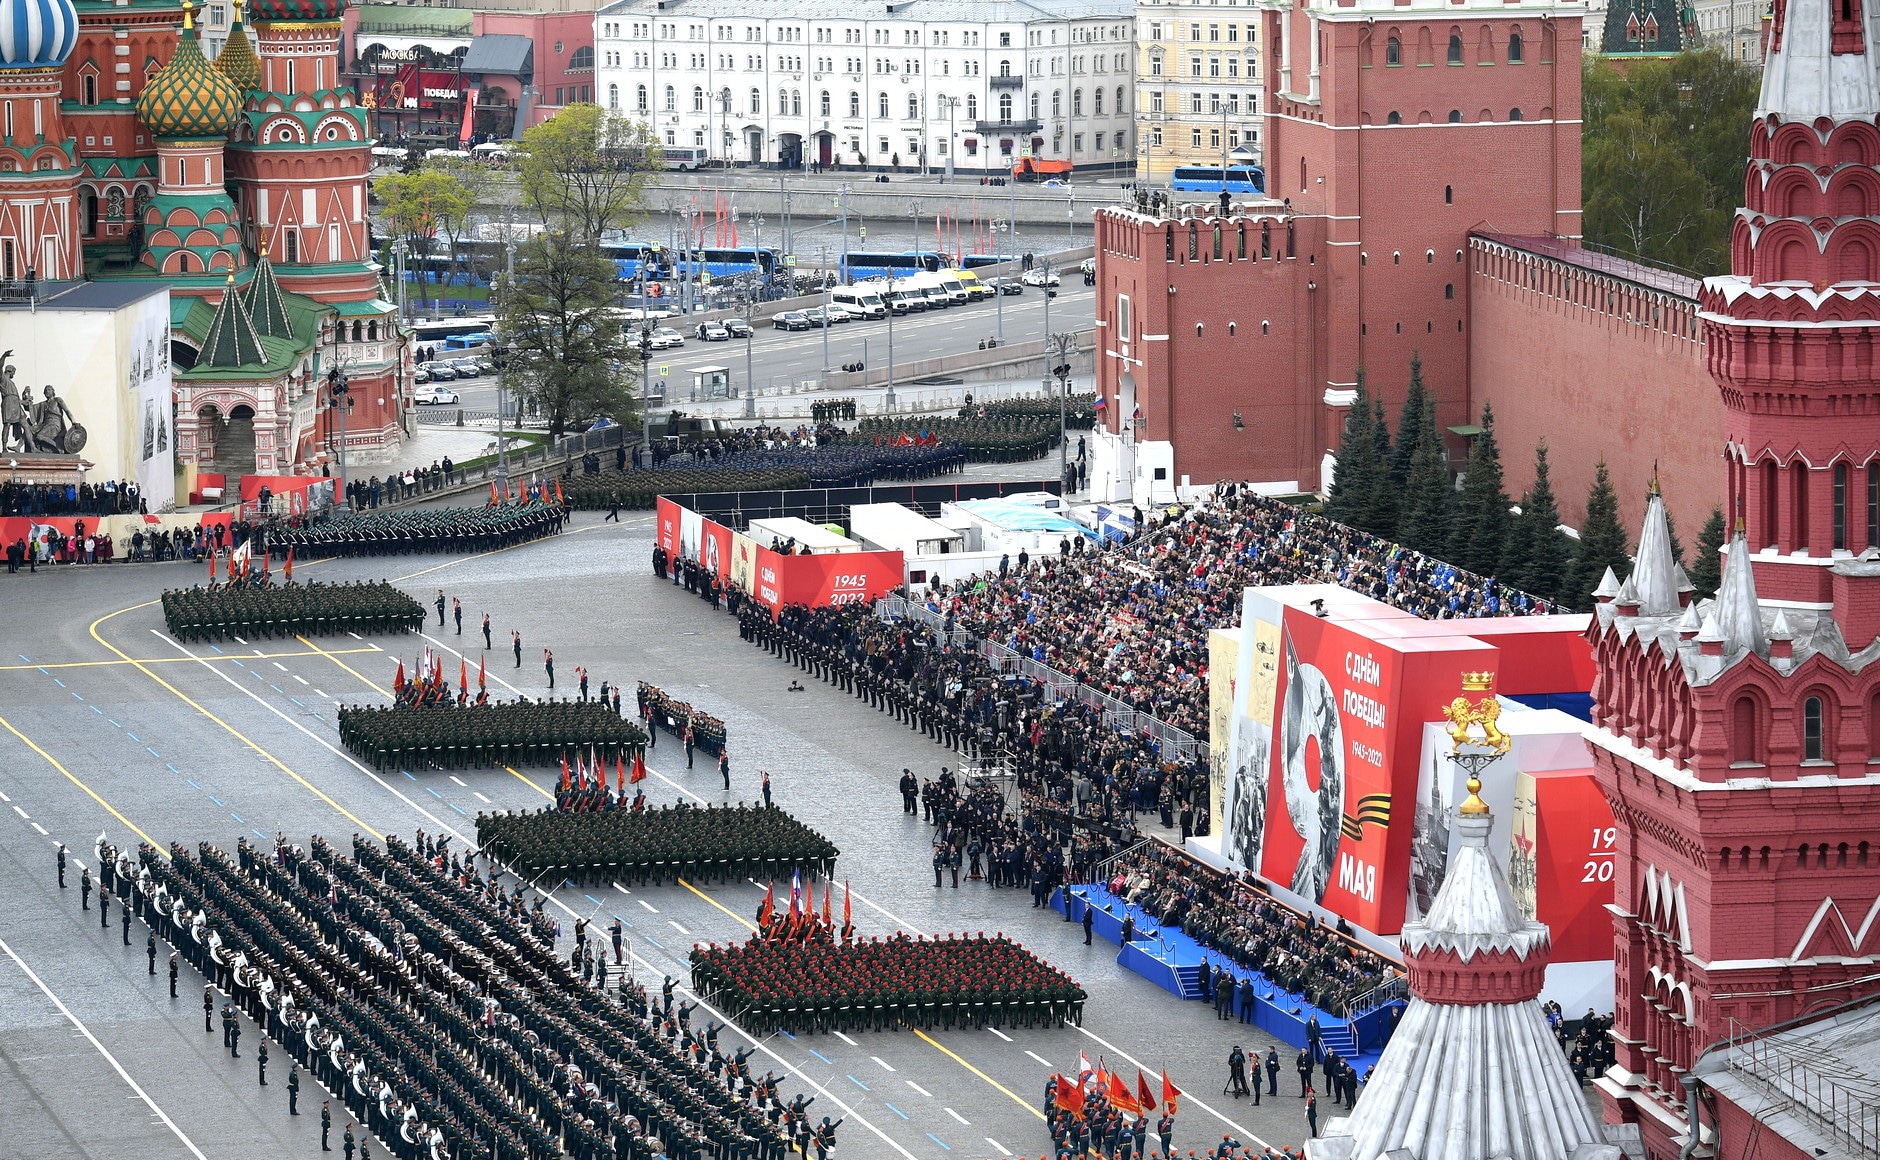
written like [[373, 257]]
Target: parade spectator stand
[[1171, 960]]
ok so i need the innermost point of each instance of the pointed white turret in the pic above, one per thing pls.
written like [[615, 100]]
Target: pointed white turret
[[1805, 78], [1608, 586], [1473, 1071], [1655, 571], [1738, 615]]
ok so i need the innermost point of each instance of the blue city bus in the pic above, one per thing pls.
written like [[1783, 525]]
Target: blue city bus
[[977, 261], [633, 258], [860, 265], [1246, 180]]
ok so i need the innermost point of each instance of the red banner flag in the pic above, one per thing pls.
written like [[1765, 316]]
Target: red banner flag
[[639, 768], [1169, 1093], [482, 671], [809, 898], [1120, 1099], [398, 681], [827, 917], [212, 565], [558, 491], [620, 775], [493, 500], [463, 675], [564, 773], [767, 909], [1144, 1099], [288, 568], [1070, 1096], [847, 915]]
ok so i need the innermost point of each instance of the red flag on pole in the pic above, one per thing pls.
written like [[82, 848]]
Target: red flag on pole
[[620, 775], [827, 891], [463, 675], [212, 564], [558, 491], [1144, 1099], [288, 568], [847, 915], [1070, 1096], [564, 773], [1169, 1094], [809, 899], [398, 682], [493, 500], [482, 670], [767, 909], [639, 768], [1120, 1099]]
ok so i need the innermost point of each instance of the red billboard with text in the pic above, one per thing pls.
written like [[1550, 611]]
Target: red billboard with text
[[1342, 766], [834, 578], [1561, 861]]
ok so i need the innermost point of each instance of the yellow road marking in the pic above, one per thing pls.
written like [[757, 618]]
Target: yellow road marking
[[937, 1046], [529, 782], [721, 906], [93, 794], [226, 727], [267, 656]]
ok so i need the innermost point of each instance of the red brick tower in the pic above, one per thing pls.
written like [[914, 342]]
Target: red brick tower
[[1736, 739], [1392, 130]]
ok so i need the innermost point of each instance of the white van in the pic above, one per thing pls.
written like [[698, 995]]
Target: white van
[[861, 301], [930, 288], [956, 290]]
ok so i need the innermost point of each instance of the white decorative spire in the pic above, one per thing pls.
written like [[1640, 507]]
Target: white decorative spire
[[1608, 586], [1472, 1071], [1654, 571], [1737, 612], [1805, 78]]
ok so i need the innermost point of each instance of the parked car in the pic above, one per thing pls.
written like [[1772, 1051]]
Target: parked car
[[466, 368], [435, 397], [420, 376], [839, 313], [666, 338], [714, 331], [738, 327], [1008, 286], [440, 372], [1041, 276], [792, 320]]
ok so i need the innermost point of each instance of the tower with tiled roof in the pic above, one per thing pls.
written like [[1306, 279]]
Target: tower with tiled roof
[[1736, 739], [237, 60], [1473, 1071], [39, 196], [190, 228]]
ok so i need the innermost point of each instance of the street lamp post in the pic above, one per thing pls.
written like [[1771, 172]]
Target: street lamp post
[[502, 373], [1059, 347], [340, 392], [825, 308], [949, 105], [399, 250], [747, 307], [913, 211], [646, 358]]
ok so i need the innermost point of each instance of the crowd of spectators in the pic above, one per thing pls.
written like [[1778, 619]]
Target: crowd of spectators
[[112, 497], [1132, 620], [1234, 915]]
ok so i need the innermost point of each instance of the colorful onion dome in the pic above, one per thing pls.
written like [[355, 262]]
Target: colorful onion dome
[[188, 97], [36, 33], [237, 60], [293, 10]]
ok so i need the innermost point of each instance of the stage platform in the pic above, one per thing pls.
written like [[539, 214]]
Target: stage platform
[[1171, 960]]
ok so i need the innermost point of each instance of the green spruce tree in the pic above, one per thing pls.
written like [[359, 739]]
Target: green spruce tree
[[1410, 425], [1429, 497], [1603, 542], [1706, 569], [1356, 473], [1539, 553], [1385, 501], [1479, 532]]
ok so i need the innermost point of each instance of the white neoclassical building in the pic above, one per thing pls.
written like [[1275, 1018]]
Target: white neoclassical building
[[797, 83]]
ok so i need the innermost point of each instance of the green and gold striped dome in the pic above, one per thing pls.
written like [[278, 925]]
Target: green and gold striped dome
[[188, 97], [237, 60]]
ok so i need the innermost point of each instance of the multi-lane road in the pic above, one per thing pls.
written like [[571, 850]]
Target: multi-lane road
[[785, 360]]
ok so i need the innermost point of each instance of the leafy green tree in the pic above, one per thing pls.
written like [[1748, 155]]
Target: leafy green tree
[[585, 170], [1429, 498], [1539, 553], [1603, 542], [1410, 426], [1662, 155], [1358, 464], [1706, 571], [567, 351], [477, 181], [418, 206], [1479, 531]]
